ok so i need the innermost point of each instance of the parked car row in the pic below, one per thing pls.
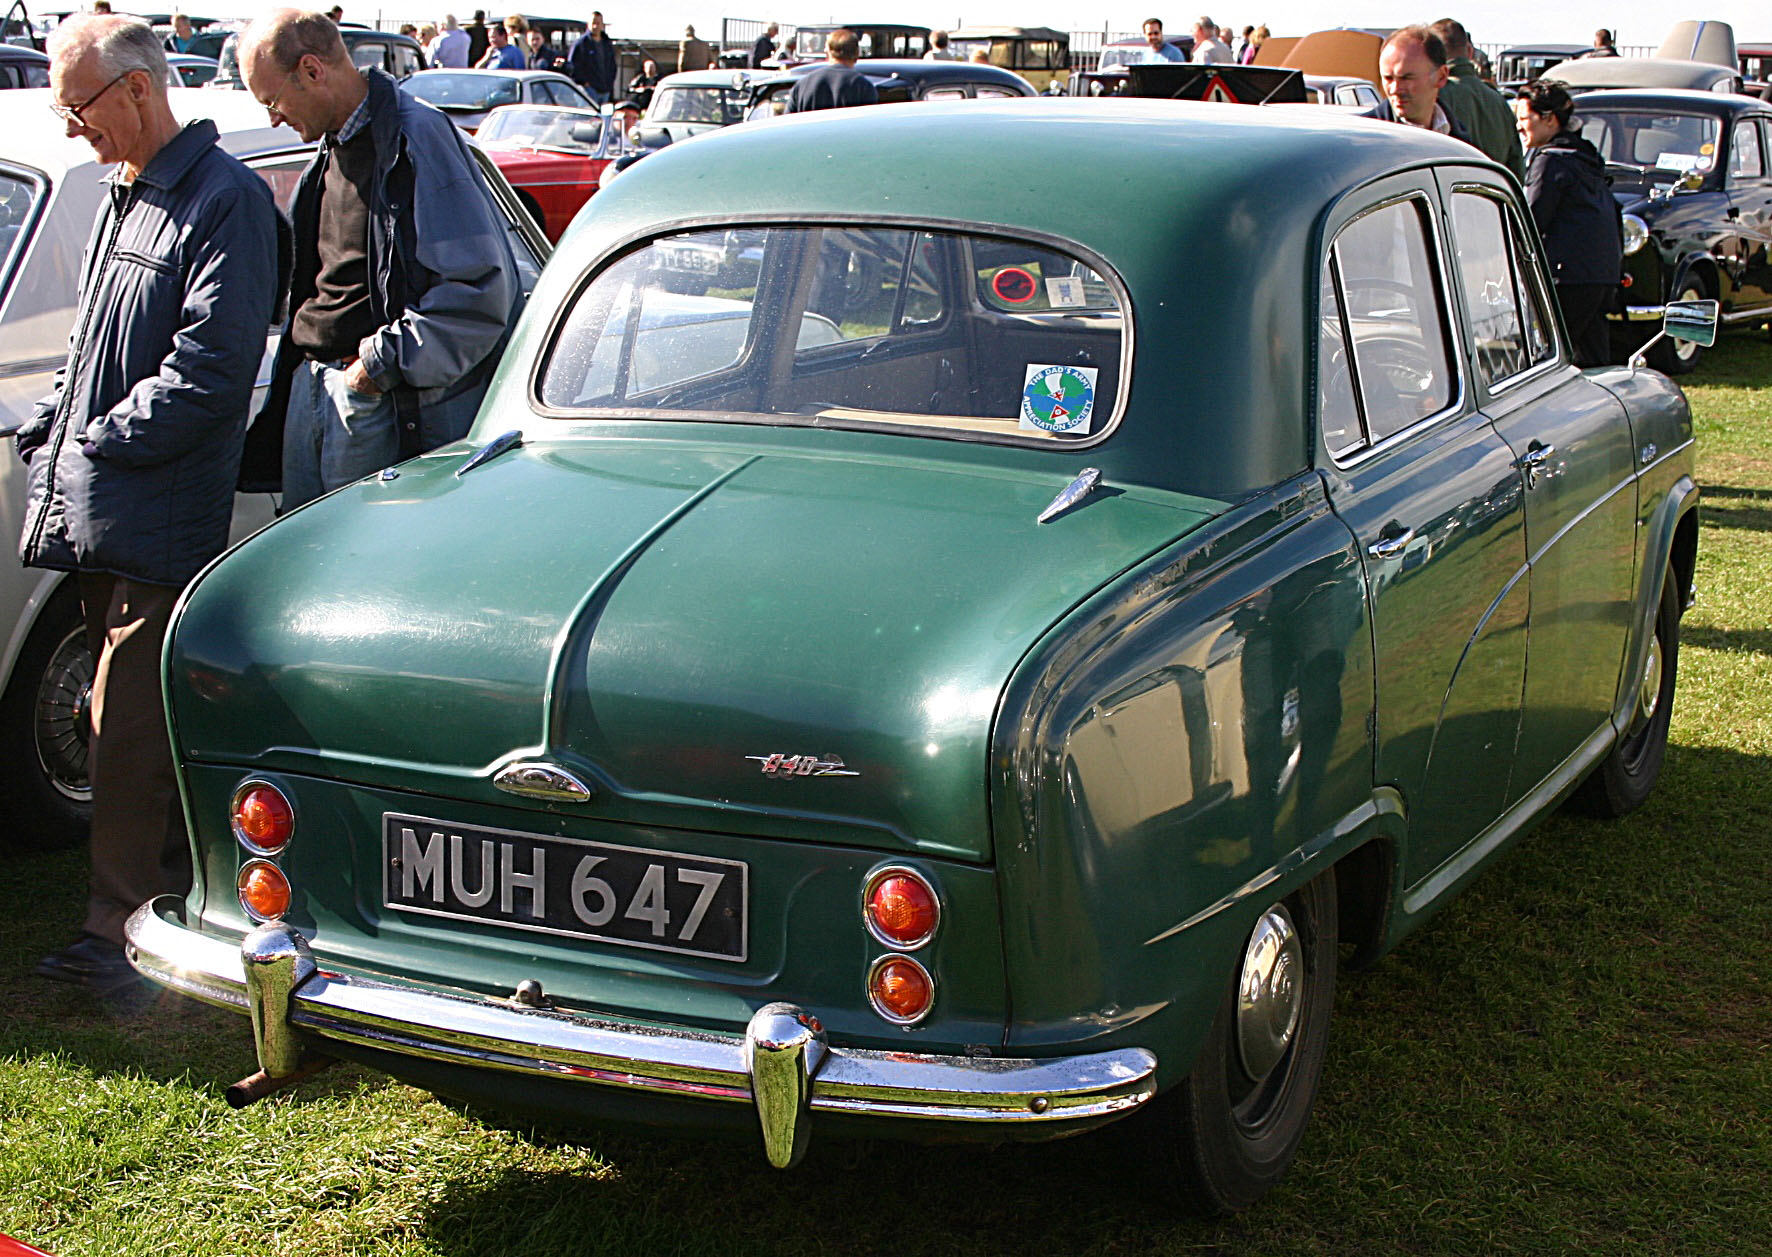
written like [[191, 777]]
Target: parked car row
[[954, 673], [50, 187]]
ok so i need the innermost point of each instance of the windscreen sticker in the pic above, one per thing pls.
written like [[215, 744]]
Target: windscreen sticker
[[1058, 399], [1680, 162], [1064, 290], [1707, 149]]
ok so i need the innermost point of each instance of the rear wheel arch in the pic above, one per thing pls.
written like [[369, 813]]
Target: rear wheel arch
[[1683, 557], [1365, 881]]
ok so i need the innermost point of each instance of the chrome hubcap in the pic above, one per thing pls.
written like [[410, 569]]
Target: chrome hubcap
[[63, 718], [1649, 697], [1269, 993]]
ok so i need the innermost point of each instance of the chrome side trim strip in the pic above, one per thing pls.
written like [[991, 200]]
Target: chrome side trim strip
[[478, 1032]]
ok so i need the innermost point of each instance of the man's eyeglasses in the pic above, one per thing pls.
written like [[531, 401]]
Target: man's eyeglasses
[[71, 113], [271, 106]]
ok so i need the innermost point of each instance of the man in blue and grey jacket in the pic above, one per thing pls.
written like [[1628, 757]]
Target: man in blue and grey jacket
[[404, 289], [134, 454]]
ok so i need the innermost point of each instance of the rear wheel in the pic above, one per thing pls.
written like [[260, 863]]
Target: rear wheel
[[45, 729], [1232, 1126], [1622, 781]]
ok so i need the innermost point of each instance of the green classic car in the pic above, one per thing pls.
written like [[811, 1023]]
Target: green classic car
[[967, 673]]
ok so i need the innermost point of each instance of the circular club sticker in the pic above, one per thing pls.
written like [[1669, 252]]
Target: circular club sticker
[[1058, 399]]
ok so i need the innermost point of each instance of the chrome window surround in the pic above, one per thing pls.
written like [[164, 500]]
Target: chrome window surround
[[1526, 270], [550, 337], [1368, 449]]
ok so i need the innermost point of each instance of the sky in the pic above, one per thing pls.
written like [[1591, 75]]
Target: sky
[[1490, 21]]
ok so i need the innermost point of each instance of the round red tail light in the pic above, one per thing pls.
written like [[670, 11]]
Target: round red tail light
[[900, 989], [901, 908], [262, 818], [264, 891]]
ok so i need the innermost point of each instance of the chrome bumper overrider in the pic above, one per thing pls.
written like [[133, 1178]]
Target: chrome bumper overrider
[[781, 1064]]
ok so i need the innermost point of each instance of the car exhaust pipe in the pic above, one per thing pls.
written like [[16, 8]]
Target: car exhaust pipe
[[257, 1086]]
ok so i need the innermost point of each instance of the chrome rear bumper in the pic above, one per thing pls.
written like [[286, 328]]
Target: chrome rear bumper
[[781, 1065]]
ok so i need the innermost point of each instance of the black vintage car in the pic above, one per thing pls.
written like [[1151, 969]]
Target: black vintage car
[[23, 67], [1690, 171], [898, 79]]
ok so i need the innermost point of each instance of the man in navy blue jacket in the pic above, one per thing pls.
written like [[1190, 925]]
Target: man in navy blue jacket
[[592, 62], [134, 454]]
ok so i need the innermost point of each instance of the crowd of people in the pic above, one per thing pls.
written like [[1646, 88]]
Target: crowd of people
[[400, 292]]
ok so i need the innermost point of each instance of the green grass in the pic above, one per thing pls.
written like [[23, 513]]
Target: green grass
[[1575, 1057]]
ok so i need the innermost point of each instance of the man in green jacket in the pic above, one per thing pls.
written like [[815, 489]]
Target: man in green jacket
[[1479, 107]]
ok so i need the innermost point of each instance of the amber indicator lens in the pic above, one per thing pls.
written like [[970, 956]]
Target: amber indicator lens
[[263, 818], [902, 909], [901, 989], [264, 891]]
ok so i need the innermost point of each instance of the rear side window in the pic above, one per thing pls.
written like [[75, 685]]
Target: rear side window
[[1508, 329], [1387, 327], [939, 332]]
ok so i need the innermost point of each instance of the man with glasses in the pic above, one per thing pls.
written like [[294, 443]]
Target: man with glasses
[[404, 289], [133, 455]]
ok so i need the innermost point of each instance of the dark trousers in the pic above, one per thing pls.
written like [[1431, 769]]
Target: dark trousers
[[1584, 313], [139, 846]]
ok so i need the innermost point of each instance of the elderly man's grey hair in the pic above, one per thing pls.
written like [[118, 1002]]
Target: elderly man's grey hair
[[449, 22], [118, 42], [1208, 23]]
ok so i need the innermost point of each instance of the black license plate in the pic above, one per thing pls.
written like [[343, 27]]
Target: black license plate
[[664, 900]]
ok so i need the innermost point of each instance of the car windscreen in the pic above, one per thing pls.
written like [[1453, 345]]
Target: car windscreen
[[19, 195], [939, 333], [562, 131], [463, 91], [1662, 144], [716, 105]]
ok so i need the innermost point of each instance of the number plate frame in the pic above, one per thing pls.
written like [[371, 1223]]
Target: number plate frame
[[624, 870]]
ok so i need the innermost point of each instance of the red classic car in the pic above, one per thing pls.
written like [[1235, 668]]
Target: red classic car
[[553, 156]]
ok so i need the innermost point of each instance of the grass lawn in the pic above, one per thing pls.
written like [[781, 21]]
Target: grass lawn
[[1576, 1056]]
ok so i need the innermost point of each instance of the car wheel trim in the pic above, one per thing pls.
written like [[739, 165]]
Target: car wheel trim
[[1269, 995], [1649, 695], [61, 718]]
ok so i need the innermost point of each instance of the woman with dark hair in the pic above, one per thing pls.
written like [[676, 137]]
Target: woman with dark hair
[[1571, 199]]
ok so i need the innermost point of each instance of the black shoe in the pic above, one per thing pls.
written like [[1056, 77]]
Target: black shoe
[[95, 963]]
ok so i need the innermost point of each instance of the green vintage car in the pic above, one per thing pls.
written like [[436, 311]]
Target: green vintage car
[[966, 673]]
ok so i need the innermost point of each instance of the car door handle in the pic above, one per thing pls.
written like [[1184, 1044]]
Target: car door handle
[[1391, 547], [1534, 457]]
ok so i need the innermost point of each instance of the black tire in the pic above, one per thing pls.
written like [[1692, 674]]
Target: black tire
[[1679, 357], [44, 730], [534, 208], [1229, 1137], [1623, 781]]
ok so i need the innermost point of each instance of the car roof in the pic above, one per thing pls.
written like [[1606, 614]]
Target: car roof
[[736, 79], [1527, 50], [1009, 32], [245, 128], [452, 71], [1197, 234], [882, 68], [1002, 154], [1671, 98], [17, 52], [1657, 72]]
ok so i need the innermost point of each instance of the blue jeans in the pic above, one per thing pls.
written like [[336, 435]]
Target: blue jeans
[[333, 435]]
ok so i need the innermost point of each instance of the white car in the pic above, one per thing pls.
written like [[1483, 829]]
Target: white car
[[50, 188]]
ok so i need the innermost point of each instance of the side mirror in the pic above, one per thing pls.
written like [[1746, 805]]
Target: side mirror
[[1691, 181], [586, 132], [1691, 321], [1694, 321]]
